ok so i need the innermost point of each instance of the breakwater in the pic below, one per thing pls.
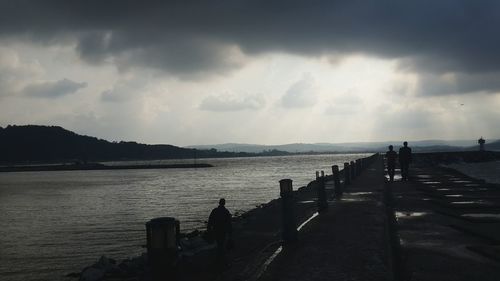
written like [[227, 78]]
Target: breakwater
[[346, 220], [97, 166]]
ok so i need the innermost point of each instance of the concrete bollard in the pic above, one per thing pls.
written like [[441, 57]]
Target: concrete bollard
[[289, 230], [347, 174], [162, 244], [336, 180], [322, 203], [353, 170]]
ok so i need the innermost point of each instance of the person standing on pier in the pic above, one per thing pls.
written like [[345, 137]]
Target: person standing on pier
[[220, 227], [404, 160], [390, 157]]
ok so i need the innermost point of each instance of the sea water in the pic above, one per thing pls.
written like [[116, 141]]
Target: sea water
[[55, 223]]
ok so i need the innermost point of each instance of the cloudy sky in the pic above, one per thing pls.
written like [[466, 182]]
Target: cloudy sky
[[253, 71]]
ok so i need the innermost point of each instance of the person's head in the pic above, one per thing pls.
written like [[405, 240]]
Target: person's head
[[405, 143], [222, 202], [391, 147]]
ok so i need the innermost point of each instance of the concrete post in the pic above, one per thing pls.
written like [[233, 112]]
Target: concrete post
[[347, 174], [322, 173], [162, 237], [317, 175], [289, 228], [322, 203], [336, 180], [353, 170]]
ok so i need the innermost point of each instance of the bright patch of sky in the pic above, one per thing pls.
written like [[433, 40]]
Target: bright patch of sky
[[273, 98]]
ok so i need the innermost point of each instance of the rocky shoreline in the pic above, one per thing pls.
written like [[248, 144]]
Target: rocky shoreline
[[256, 234]]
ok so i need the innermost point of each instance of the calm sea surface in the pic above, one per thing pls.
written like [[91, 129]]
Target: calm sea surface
[[54, 223]]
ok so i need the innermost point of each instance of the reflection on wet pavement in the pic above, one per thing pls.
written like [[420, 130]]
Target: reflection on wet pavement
[[486, 216], [410, 214], [442, 230]]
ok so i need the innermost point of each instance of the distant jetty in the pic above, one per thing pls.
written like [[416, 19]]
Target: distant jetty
[[98, 166]]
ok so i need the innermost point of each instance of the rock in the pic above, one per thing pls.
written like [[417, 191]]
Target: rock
[[73, 274], [108, 265], [133, 266], [92, 274], [193, 233]]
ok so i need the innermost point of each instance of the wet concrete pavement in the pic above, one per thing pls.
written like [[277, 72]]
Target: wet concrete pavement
[[448, 225]]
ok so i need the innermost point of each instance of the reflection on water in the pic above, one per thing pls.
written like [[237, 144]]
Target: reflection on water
[[53, 223]]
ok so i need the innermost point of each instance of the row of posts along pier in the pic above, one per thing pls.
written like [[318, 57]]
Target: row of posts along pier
[[341, 180]]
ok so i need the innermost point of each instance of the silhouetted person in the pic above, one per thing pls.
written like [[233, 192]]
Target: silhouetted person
[[390, 157], [220, 227], [404, 160]]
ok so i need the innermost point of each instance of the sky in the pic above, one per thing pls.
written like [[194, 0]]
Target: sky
[[261, 71]]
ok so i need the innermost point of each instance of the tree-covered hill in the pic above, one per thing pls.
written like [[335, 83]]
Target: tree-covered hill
[[34, 143]]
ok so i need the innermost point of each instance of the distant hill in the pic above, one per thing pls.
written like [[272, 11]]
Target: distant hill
[[417, 146], [47, 144]]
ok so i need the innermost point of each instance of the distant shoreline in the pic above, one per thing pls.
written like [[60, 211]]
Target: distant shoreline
[[97, 166]]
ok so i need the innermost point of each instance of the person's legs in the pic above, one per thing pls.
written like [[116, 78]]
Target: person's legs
[[390, 171], [404, 171], [221, 250]]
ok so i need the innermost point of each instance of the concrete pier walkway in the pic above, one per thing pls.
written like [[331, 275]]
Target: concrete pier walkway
[[350, 241], [448, 225]]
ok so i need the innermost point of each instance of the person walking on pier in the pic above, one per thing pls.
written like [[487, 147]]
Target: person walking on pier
[[405, 160], [220, 227], [390, 157]]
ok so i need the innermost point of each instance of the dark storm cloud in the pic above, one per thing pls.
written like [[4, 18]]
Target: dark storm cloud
[[458, 83], [53, 89], [186, 37]]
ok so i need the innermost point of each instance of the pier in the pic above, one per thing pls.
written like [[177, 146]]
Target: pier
[[353, 224]]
